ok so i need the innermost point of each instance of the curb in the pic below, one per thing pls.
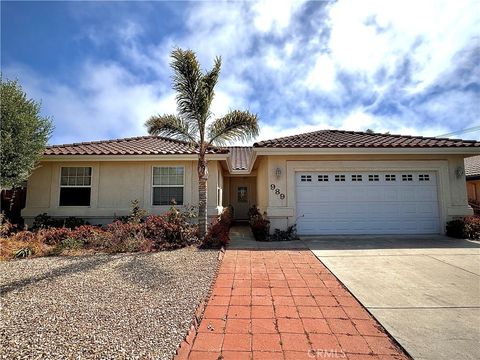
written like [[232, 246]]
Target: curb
[[183, 350]]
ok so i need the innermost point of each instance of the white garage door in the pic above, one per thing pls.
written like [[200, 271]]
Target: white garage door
[[367, 203]]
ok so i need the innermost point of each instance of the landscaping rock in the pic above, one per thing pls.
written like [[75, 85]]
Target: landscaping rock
[[102, 306]]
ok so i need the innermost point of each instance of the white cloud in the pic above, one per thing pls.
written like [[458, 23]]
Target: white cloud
[[323, 74], [330, 66], [370, 35], [274, 15], [108, 103]]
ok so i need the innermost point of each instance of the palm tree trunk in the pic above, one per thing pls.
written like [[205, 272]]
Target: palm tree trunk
[[202, 196]]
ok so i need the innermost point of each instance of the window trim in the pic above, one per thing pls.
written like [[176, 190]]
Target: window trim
[[60, 186], [154, 186]]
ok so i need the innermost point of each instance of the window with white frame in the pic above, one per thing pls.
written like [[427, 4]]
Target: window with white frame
[[322, 178], [424, 177], [75, 186], [168, 185], [390, 177], [407, 177], [306, 178], [373, 177], [356, 177], [339, 177]]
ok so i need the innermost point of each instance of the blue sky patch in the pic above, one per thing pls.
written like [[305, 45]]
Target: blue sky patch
[[102, 68]]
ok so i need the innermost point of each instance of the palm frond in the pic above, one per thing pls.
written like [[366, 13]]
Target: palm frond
[[236, 125], [186, 79], [170, 126], [208, 82]]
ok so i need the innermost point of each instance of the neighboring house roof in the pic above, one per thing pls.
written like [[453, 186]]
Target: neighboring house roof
[[142, 145], [352, 139], [472, 166], [240, 157]]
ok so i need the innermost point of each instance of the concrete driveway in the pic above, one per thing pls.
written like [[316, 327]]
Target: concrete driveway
[[425, 290]]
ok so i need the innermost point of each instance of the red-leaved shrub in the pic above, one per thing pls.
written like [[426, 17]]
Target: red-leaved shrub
[[52, 236], [171, 230], [217, 234], [465, 228], [127, 237]]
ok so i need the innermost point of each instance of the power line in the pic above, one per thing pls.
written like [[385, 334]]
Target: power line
[[464, 131]]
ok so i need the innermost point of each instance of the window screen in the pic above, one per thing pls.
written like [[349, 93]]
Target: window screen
[[75, 186], [168, 183]]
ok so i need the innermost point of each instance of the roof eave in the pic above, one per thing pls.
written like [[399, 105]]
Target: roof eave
[[467, 151], [157, 157]]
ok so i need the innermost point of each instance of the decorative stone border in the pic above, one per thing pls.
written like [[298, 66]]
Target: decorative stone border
[[185, 346]]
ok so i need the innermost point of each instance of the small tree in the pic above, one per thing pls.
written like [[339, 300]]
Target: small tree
[[24, 134], [195, 92]]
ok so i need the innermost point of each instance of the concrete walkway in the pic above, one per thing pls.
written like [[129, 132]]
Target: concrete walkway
[[425, 290], [285, 304], [241, 237]]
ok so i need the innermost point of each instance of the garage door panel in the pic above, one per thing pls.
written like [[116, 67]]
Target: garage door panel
[[398, 203]]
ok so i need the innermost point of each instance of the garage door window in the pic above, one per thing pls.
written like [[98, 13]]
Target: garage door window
[[424, 177], [373, 177], [306, 178], [407, 177], [356, 177], [390, 177], [339, 177], [322, 177]]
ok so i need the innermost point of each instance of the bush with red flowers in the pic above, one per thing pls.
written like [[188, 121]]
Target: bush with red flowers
[[171, 230], [217, 234], [465, 228]]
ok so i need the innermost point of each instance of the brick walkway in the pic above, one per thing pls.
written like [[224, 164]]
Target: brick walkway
[[285, 304]]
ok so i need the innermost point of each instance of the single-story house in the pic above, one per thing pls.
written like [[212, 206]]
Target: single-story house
[[325, 182], [472, 173]]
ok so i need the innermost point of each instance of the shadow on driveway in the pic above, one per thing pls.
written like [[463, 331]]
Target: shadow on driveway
[[372, 242]]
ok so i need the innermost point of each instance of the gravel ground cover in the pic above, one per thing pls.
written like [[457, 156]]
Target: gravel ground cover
[[125, 306]]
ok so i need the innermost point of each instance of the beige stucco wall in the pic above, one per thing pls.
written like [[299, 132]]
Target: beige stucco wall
[[262, 184], [114, 185], [282, 212]]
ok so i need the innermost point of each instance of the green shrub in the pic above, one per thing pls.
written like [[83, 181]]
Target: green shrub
[[73, 222], [72, 244], [45, 221], [465, 228], [284, 235]]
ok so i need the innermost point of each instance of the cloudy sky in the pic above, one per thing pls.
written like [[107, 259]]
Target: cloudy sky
[[101, 69]]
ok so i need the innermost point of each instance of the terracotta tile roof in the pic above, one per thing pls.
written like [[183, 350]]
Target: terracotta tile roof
[[142, 145], [472, 166], [352, 139], [240, 157]]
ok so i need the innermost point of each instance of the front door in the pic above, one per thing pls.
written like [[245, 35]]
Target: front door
[[241, 201]]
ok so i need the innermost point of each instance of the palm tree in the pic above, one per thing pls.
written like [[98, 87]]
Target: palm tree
[[194, 121]]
